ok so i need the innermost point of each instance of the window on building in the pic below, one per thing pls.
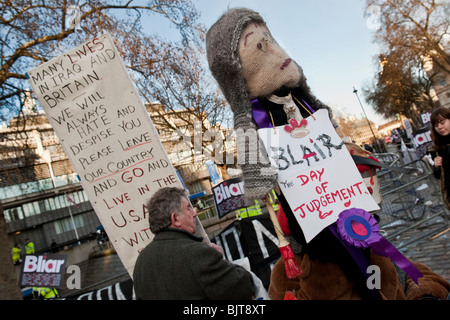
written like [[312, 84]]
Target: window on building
[[77, 197], [46, 205], [195, 187], [13, 214], [65, 225], [31, 209], [50, 204], [59, 202]]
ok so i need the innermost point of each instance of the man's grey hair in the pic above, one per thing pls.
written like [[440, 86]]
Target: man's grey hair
[[161, 206]]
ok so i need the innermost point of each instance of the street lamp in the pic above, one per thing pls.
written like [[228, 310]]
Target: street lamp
[[368, 122]]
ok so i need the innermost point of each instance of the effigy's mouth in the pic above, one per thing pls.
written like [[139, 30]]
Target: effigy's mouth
[[285, 63]]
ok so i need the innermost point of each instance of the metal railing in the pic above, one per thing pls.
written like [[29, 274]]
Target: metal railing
[[412, 201]]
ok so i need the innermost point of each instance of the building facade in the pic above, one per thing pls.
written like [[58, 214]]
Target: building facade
[[40, 192]]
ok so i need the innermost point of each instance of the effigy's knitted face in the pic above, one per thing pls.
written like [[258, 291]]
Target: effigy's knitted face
[[266, 67]]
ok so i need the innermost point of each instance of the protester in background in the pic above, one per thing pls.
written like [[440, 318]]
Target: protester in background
[[397, 140], [368, 147], [45, 293], [440, 132], [177, 264], [54, 246], [29, 246], [381, 145], [16, 254]]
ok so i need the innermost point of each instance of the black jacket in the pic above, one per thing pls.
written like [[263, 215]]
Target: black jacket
[[177, 265]]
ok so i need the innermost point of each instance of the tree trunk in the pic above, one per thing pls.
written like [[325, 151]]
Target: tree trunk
[[8, 280]]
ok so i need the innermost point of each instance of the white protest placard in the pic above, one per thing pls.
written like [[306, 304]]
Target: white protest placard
[[316, 173], [109, 137]]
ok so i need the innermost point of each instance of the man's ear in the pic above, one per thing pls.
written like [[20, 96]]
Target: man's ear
[[174, 219]]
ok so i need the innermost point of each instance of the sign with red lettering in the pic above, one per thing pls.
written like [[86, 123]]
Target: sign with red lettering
[[316, 173], [109, 137], [43, 271]]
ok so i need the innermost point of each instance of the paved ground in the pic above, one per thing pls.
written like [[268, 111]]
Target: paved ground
[[434, 253], [426, 241]]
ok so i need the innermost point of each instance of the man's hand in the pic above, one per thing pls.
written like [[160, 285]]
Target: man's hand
[[215, 246]]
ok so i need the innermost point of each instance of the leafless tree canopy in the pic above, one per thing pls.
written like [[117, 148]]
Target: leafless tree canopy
[[409, 34], [33, 32]]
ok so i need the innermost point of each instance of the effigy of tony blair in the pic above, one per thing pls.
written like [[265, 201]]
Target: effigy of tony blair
[[339, 253]]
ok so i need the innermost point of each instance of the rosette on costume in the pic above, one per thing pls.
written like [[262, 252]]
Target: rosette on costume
[[359, 229]]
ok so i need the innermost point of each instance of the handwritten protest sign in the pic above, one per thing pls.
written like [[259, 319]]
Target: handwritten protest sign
[[316, 174], [109, 137]]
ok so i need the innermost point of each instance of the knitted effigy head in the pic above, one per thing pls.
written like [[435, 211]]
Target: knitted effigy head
[[248, 63]]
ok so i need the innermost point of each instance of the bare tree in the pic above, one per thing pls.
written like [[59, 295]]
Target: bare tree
[[409, 34], [400, 87], [8, 281], [33, 32], [420, 27], [184, 90]]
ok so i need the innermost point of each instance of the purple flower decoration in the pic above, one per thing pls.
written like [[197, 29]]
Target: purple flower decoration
[[359, 228]]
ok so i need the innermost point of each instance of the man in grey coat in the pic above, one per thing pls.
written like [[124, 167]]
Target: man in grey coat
[[177, 264]]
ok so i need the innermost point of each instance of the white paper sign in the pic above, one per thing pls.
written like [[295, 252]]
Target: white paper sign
[[109, 137], [316, 173]]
